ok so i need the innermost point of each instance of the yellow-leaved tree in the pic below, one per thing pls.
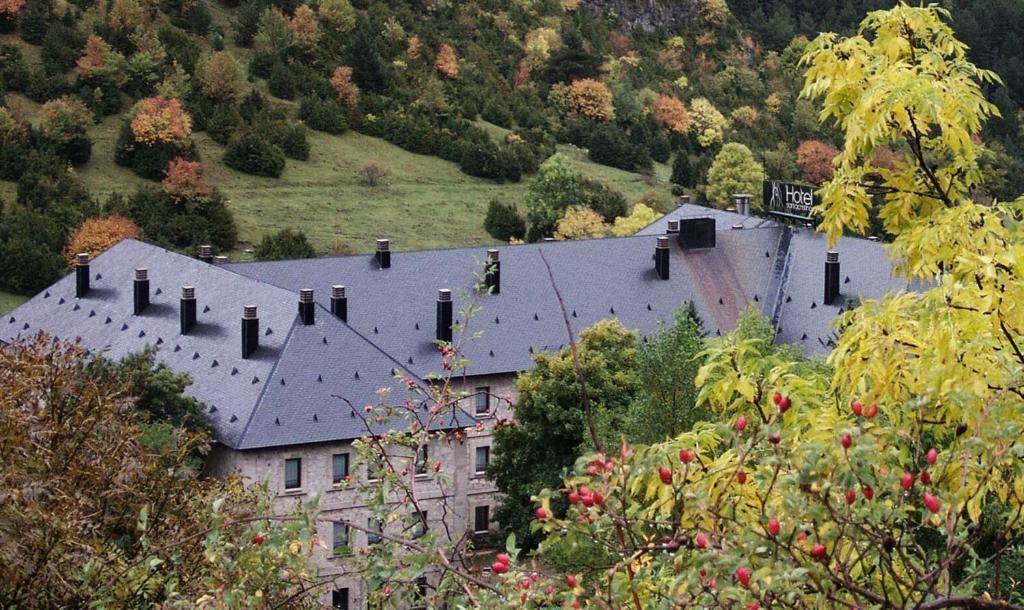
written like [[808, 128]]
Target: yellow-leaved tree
[[891, 476]]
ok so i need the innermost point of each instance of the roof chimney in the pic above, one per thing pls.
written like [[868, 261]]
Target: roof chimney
[[684, 200], [384, 253], [492, 272], [661, 253], [697, 232], [81, 275], [206, 254], [188, 309], [307, 309], [831, 276], [742, 203], [444, 315], [221, 260], [141, 286], [250, 331], [339, 303], [673, 225]]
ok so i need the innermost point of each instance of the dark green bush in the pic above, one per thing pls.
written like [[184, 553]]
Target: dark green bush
[[149, 160], [62, 46], [323, 115], [14, 73], [286, 243], [291, 137], [608, 145], [604, 200], [247, 21], [503, 221], [222, 122], [282, 82], [682, 170], [43, 86], [251, 105], [251, 152], [34, 22], [164, 221]]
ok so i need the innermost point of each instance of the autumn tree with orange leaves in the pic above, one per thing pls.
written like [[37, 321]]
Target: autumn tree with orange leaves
[[348, 91], [160, 119], [815, 159], [447, 62], [97, 235], [592, 99], [671, 114], [184, 181]]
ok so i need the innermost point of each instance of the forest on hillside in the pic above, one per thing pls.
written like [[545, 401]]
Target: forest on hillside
[[493, 87]]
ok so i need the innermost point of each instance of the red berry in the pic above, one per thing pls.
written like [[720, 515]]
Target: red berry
[[773, 527], [872, 410], [609, 466], [851, 496], [592, 470], [666, 475], [743, 576], [257, 539], [598, 498], [775, 438], [847, 441], [542, 515], [801, 537], [588, 500], [701, 540], [784, 405], [741, 477], [549, 590], [753, 606], [868, 493], [570, 580], [685, 456], [777, 398], [499, 568], [741, 423], [932, 455], [908, 481], [502, 558], [931, 502], [525, 583], [926, 478], [857, 408], [818, 551], [534, 576], [573, 497]]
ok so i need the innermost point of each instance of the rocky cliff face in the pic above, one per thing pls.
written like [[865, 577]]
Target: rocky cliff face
[[648, 15]]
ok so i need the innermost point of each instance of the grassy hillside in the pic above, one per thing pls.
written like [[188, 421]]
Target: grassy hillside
[[9, 301]]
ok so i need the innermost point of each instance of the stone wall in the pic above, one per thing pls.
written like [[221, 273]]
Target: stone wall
[[647, 15], [468, 490]]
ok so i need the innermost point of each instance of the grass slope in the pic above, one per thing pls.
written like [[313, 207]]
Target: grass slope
[[9, 301], [427, 202]]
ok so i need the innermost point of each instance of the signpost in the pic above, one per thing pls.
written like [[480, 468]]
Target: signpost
[[789, 200]]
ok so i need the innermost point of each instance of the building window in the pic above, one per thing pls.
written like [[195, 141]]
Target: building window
[[421, 460], [293, 473], [422, 591], [339, 467], [482, 519], [483, 401], [340, 538], [420, 527], [376, 528], [375, 468], [339, 599], [483, 458]]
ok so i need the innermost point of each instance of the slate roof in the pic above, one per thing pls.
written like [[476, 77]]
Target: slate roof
[[287, 393], [244, 396]]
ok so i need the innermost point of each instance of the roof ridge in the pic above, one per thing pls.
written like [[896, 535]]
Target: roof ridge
[[266, 383]]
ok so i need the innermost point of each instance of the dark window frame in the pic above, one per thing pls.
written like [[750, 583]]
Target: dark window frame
[[482, 399], [340, 550], [335, 478], [476, 459], [288, 483], [486, 511], [340, 599]]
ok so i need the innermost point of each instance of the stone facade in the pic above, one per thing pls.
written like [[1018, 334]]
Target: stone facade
[[489, 398]]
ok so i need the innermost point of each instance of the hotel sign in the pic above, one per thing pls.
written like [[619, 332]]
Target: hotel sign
[[790, 200]]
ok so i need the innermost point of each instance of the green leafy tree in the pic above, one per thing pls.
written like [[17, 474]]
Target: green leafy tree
[[286, 243], [549, 431], [503, 221], [667, 364], [556, 186], [683, 172], [734, 170]]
